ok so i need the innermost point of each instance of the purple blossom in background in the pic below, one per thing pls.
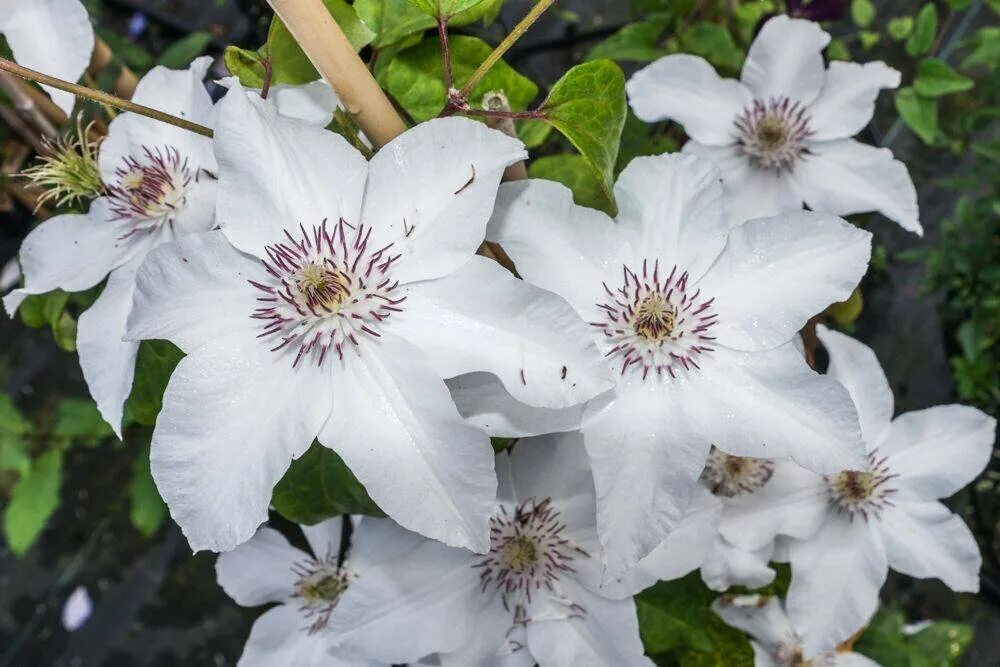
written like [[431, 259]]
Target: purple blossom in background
[[818, 10]]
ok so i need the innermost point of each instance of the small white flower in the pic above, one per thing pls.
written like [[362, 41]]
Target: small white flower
[[696, 320], [331, 304], [53, 37], [305, 586], [533, 598], [159, 185], [782, 135], [772, 636], [850, 527], [77, 609]]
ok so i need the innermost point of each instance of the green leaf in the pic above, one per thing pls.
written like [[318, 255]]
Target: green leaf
[[942, 644], [319, 485], [146, 508], [900, 27], [844, 313], [392, 20], [180, 54], [639, 138], [415, 77], [959, 5], [33, 501], [985, 45], [919, 113], [587, 105], [14, 431], [922, 38], [712, 42], [38, 310], [154, 364], [837, 50], [869, 39], [935, 78], [862, 12], [128, 52], [636, 42], [245, 65], [444, 8], [575, 173], [289, 64], [79, 422]]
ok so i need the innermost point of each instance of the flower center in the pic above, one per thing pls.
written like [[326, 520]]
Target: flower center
[[527, 552], [318, 589], [863, 492], [327, 290], [652, 323], [150, 189], [773, 135], [727, 475]]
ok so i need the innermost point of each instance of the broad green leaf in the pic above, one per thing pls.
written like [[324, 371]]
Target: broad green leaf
[[129, 52], [64, 332], [289, 64], [14, 431], [245, 65], [837, 50], [415, 77], [587, 105], [392, 20], [444, 8], [79, 422], [146, 509], [319, 485], [33, 501], [712, 42], [180, 54], [532, 133], [922, 38], [575, 173], [862, 12], [869, 39], [919, 113], [941, 644], [985, 44], [155, 362], [39, 310], [900, 27], [748, 16], [959, 5], [636, 42], [935, 78]]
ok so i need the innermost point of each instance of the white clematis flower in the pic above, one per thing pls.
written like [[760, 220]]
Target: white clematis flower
[[697, 322], [331, 304], [534, 598], [772, 636], [159, 183], [53, 37], [852, 526], [305, 587], [782, 135]]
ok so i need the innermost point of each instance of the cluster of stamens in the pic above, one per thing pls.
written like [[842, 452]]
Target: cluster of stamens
[[151, 188], [773, 135], [727, 475], [653, 324], [320, 584], [528, 552], [864, 492], [328, 290]]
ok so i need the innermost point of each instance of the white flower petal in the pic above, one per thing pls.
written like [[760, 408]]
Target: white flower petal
[[845, 176], [926, 540], [852, 660], [259, 570], [671, 207], [276, 173], [760, 616], [324, 537], [555, 244], [53, 37], [312, 102], [194, 291], [411, 597], [686, 89], [396, 427], [481, 318], [776, 273], [939, 450], [786, 60], [107, 361], [606, 632], [847, 101], [280, 636], [849, 553], [483, 402], [727, 565], [854, 365], [214, 459], [77, 609], [493, 641], [431, 192]]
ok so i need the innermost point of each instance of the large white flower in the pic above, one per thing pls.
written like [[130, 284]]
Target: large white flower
[[782, 135], [334, 299], [534, 598], [697, 322], [772, 636], [852, 526], [306, 587], [53, 37], [159, 183]]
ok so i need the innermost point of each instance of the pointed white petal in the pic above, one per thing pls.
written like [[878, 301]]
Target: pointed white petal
[[760, 616], [280, 636], [77, 609], [214, 458], [847, 101], [786, 60], [431, 193], [396, 427], [845, 176], [775, 273], [493, 642], [727, 565], [686, 89], [259, 570], [312, 102], [926, 540], [852, 660], [324, 537]]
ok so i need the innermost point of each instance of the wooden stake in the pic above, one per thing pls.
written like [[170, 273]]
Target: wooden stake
[[25, 105], [125, 83]]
